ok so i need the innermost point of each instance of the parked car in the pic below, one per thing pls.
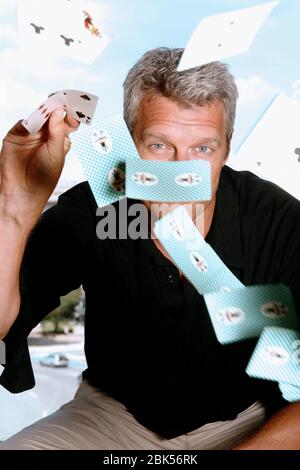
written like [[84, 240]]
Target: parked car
[[55, 360]]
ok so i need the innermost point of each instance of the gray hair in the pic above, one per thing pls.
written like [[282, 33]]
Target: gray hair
[[155, 74]]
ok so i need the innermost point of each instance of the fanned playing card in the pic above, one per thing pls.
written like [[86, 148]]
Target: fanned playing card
[[35, 121], [68, 28], [81, 104], [272, 149], [221, 36]]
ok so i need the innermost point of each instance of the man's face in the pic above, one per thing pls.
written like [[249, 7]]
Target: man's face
[[166, 131]]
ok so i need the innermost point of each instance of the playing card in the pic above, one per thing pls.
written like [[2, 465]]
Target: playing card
[[103, 149], [81, 104], [193, 256], [168, 181], [277, 356], [82, 35], [65, 28], [272, 148], [244, 313], [38, 24], [35, 121], [177, 225], [221, 36], [289, 392]]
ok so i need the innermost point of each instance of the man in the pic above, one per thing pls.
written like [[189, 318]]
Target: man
[[157, 377]]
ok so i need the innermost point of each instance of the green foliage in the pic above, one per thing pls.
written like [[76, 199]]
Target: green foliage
[[62, 316]]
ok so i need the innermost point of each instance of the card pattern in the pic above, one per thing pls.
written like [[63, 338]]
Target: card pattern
[[102, 149], [276, 356], [289, 392], [193, 256], [244, 313], [184, 181]]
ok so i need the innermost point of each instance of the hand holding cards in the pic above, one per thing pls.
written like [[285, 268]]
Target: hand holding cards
[[79, 104], [34, 164]]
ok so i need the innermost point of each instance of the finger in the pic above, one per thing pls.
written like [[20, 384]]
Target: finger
[[71, 124], [57, 130]]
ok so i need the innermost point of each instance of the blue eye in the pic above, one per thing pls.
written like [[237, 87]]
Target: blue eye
[[204, 148], [157, 147]]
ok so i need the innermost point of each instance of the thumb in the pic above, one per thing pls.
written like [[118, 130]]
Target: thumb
[[57, 129]]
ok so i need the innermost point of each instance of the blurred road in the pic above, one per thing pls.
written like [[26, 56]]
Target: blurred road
[[54, 387]]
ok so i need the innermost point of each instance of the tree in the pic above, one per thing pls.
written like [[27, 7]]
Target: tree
[[64, 313]]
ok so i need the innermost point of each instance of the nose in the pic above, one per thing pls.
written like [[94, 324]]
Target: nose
[[182, 154]]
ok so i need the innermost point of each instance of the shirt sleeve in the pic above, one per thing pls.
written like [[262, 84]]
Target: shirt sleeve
[[288, 253], [54, 263]]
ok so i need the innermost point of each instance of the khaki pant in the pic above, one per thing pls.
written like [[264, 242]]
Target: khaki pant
[[95, 421]]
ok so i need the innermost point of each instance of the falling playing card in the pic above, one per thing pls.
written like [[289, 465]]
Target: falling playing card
[[272, 149], [168, 181], [289, 392], [81, 104], [35, 121], [38, 24], [62, 27], [276, 356], [244, 313], [103, 149], [221, 36], [194, 257]]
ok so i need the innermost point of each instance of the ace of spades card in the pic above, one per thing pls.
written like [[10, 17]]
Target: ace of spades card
[[68, 28]]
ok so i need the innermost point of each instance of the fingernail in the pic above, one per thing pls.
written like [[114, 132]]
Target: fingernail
[[60, 113]]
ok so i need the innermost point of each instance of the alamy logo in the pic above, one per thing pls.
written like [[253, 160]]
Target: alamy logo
[[2, 352]]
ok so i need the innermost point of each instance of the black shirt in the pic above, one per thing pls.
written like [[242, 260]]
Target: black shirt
[[149, 341]]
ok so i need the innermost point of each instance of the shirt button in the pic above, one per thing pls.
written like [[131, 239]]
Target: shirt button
[[171, 278]]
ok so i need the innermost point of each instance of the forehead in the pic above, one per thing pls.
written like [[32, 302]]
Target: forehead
[[160, 114]]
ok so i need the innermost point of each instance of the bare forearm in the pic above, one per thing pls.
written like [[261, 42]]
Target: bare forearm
[[13, 237], [280, 432], [30, 166]]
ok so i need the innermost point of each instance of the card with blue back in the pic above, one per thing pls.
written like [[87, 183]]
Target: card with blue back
[[244, 313], [103, 148], [289, 392], [193, 256], [160, 181], [277, 356]]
